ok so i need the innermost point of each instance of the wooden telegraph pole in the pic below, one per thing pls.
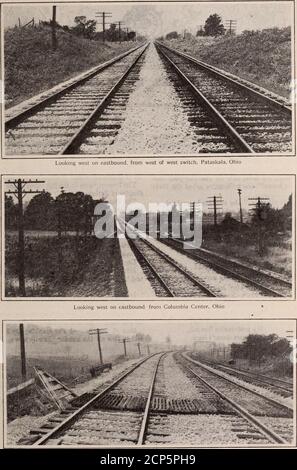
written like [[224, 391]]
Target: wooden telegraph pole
[[124, 341], [120, 23], [215, 203], [20, 192], [23, 353], [139, 348], [240, 207], [99, 332], [54, 28], [257, 209], [103, 15]]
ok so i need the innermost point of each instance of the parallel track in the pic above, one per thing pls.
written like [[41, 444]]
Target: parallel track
[[255, 122], [68, 121], [175, 280], [273, 384], [222, 388], [249, 276]]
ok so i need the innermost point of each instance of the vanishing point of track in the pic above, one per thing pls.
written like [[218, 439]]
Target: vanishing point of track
[[228, 115]]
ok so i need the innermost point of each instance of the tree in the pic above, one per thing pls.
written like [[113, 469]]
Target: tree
[[172, 35], [11, 213], [257, 348], [131, 36], [39, 214], [84, 27], [214, 26]]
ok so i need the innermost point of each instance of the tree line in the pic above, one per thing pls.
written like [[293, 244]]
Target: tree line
[[213, 26], [67, 212], [86, 28], [257, 348]]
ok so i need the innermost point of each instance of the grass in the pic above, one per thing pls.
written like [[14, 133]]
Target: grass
[[277, 256], [82, 266], [31, 66], [262, 57]]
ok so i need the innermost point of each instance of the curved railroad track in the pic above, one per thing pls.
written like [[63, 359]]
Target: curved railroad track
[[275, 385], [135, 410], [118, 414], [249, 404], [253, 121], [81, 118], [270, 285]]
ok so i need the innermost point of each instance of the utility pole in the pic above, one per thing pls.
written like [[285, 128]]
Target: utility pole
[[20, 192], [23, 353], [124, 341], [215, 203], [230, 26], [127, 32], [120, 23], [54, 28], [103, 15], [139, 349], [257, 210], [148, 348], [99, 332], [240, 207]]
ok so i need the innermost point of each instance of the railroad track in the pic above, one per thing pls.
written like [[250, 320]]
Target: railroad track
[[118, 414], [275, 385], [168, 278], [252, 121], [134, 410], [82, 118], [252, 406], [270, 285]]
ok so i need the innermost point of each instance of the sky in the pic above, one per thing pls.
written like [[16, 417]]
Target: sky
[[171, 189], [185, 332], [162, 17]]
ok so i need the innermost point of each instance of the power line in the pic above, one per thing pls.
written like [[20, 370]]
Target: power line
[[215, 203], [230, 26], [20, 193], [23, 353], [257, 209], [99, 332], [124, 341], [103, 15], [240, 207]]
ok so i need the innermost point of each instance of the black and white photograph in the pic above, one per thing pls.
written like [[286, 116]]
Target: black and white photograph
[[138, 237], [148, 79], [196, 383]]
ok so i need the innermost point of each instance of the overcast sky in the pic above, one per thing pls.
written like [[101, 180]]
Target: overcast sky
[[147, 190], [162, 17], [185, 332]]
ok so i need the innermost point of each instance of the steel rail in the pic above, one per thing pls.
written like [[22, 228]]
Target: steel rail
[[156, 274], [252, 375], [207, 291], [227, 128], [218, 374], [242, 86], [78, 137], [145, 418], [229, 272], [22, 115], [269, 433], [76, 414], [180, 269]]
